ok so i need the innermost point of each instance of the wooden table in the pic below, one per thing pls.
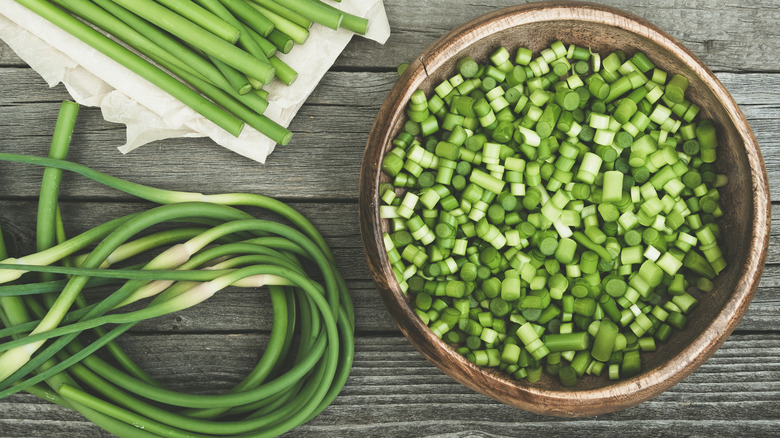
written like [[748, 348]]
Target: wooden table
[[393, 390]]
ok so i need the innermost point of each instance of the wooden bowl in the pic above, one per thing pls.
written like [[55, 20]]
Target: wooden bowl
[[745, 224]]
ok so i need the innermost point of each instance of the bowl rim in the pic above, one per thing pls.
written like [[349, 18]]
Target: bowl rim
[[621, 394]]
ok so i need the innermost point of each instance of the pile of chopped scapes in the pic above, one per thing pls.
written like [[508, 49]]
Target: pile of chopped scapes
[[554, 213], [215, 56], [163, 260]]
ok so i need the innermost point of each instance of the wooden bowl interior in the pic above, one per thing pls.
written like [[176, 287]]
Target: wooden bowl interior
[[603, 30]]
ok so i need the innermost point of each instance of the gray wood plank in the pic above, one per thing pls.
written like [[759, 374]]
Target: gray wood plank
[[329, 139], [394, 391], [337, 222], [731, 36], [726, 36], [241, 310]]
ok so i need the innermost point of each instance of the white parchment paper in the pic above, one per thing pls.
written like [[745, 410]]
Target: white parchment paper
[[150, 114]]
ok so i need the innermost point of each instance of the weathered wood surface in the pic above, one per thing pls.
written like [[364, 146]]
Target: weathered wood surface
[[318, 152], [727, 36], [392, 390]]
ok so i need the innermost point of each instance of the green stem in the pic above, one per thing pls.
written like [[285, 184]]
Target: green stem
[[49, 221], [252, 18], [137, 64], [315, 11], [67, 248], [186, 422], [237, 80], [279, 394], [192, 34], [139, 34], [585, 241], [204, 19], [125, 274], [285, 12], [14, 359], [50, 184], [176, 57], [280, 383], [245, 40], [297, 33], [284, 72]]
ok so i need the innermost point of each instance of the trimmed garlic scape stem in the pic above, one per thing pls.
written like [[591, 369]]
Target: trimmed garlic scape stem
[[212, 245], [217, 54]]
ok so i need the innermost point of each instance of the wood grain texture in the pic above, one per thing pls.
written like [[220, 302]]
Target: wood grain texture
[[392, 391], [728, 36], [231, 311], [329, 138]]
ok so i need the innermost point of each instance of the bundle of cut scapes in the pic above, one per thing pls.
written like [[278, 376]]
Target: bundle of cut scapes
[[216, 54]]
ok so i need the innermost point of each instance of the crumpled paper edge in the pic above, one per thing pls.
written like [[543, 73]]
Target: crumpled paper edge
[[150, 114]]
